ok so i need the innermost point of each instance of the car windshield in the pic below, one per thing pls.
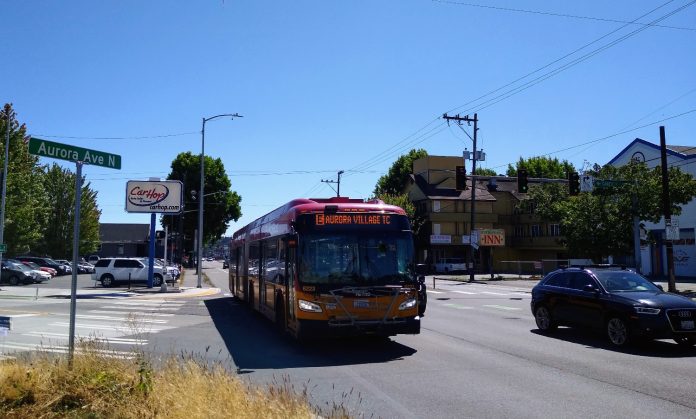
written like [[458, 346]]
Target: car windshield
[[32, 265], [624, 281], [19, 266], [355, 259]]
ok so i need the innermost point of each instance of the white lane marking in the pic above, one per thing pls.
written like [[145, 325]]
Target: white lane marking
[[23, 315], [435, 292], [494, 293], [120, 328], [144, 303], [458, 307], [465, 292], [115, 319], [502, 307], [64, 349], [137, 313], [153, 308], [114, 340]]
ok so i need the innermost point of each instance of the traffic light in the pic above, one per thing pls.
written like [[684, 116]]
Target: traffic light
[[460, 178], [522, 181], [573, 183]]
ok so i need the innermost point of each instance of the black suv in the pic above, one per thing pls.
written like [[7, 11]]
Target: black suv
[[617, 300], [47, 262]]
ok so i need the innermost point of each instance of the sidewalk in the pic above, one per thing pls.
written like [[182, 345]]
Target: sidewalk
[[37, 291], [683, 285]]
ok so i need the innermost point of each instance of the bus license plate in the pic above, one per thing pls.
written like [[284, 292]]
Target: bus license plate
[[363, 304], [687, 324]]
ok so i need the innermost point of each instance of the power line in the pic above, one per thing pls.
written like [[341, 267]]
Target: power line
[[539, 12], [608, 136], [499, 98], [144, 137]]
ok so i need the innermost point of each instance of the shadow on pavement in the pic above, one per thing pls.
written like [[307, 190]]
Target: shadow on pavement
[[254, 344], [595, 340]]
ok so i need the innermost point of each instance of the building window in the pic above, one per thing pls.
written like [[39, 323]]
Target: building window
[[436, 207], [520, 231], [554, 230], [436, 229], [120, 250], [536, 230]]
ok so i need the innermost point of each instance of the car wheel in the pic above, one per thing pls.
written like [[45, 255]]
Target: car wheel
[[157, 280], [107, 280], [14, 280], [617, 331], [686, 340], [544, 320]]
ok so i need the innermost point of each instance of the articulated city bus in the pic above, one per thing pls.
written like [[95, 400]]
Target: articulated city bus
[[330, 267]]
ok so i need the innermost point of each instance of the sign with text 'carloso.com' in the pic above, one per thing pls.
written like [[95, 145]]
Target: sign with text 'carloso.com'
[[165, 196]]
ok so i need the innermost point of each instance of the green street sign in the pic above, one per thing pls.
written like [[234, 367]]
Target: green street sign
[[46, 148], [3, 248]]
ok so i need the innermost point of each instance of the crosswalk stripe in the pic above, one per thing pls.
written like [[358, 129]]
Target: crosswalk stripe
[[137, 313], [116, 319], [502, 307], [107, 340], [435, 292], [493, 293], [144, 303], [465, 292], [153, 308], [458, 307], [23, 315], [64, 349], [120, 328]]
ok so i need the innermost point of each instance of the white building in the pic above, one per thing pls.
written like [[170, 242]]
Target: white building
[[653, 256]]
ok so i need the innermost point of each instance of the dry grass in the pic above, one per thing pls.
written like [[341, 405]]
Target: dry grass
[[100, 386]]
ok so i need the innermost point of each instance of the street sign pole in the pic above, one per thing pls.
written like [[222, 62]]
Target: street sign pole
[[76, 252]]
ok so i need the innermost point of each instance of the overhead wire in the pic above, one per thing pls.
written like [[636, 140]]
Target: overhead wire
[[544, 13], [518, 89]]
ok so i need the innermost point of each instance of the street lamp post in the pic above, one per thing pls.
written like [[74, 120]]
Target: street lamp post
[[202, 193]]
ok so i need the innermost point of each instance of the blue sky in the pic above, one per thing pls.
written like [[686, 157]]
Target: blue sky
[[340, 85]]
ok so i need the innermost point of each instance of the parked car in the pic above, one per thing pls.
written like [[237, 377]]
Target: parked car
[[16, 273], [225, 264], [619, 301], [85, 267], [67, 264], [111, 271], [171, 270], [448, 265], [33, 266], [46, 262]]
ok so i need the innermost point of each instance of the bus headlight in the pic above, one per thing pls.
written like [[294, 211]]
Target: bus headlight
[[410, 303], [309, 306]]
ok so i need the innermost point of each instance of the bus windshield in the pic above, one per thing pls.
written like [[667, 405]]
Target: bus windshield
[[356, 259]]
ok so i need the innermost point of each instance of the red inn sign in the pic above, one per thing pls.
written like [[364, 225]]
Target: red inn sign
[[492, 237]]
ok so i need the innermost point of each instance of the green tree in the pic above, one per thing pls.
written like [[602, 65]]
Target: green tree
[[394, 181], [599, 224], [57, 240], [25, 213], [414, 217], [222, 205], [480, 171], [542, 167]]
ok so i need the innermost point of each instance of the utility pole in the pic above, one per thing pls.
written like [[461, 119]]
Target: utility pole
[[458, 120], [338, 182], [8, 115], [667, 209]]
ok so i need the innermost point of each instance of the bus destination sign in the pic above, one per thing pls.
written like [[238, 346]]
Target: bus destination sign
[[352, 219]]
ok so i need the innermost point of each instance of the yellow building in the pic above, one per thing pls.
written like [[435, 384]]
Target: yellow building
[[527, 239]]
